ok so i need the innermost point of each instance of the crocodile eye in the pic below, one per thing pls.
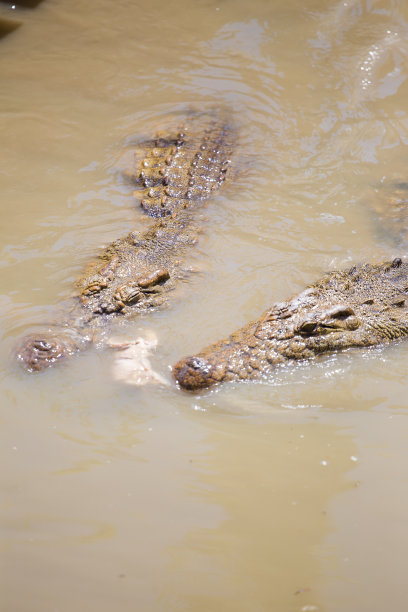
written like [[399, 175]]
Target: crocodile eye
[[341, 312], [308, 327]]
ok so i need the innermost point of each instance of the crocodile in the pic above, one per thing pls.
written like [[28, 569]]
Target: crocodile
[[389, 208], [178, 173], [363, 306]]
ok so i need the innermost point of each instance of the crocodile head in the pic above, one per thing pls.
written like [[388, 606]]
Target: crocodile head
[[360, 307]]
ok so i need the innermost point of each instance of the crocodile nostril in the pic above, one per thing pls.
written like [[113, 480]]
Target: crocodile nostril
[[199, 364]]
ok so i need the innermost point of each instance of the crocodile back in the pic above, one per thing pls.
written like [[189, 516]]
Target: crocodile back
[[184, 165]]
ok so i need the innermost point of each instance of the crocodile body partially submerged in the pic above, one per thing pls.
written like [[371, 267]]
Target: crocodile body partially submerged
[[364, 306], [389, 207], [178, 172]]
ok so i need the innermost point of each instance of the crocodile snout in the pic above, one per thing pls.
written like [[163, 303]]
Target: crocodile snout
[[38, 352], [193, 373]]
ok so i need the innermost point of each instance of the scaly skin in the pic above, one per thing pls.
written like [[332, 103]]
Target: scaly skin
[[136, 273], [360, 307], [185, 167]]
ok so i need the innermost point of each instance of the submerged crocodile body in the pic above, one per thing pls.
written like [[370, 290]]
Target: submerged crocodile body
[[364, 306], [389, 206], [178, 172]]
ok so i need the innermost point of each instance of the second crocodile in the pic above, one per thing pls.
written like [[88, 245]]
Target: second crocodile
[[364, 306]]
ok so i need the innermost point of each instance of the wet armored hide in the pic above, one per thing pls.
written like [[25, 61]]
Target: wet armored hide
[[360, 307]]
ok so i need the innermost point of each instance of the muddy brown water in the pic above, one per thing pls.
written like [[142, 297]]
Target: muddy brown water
[[286, 495]]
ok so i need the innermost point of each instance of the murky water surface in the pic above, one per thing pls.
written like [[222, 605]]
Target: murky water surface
[[287, 495]]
